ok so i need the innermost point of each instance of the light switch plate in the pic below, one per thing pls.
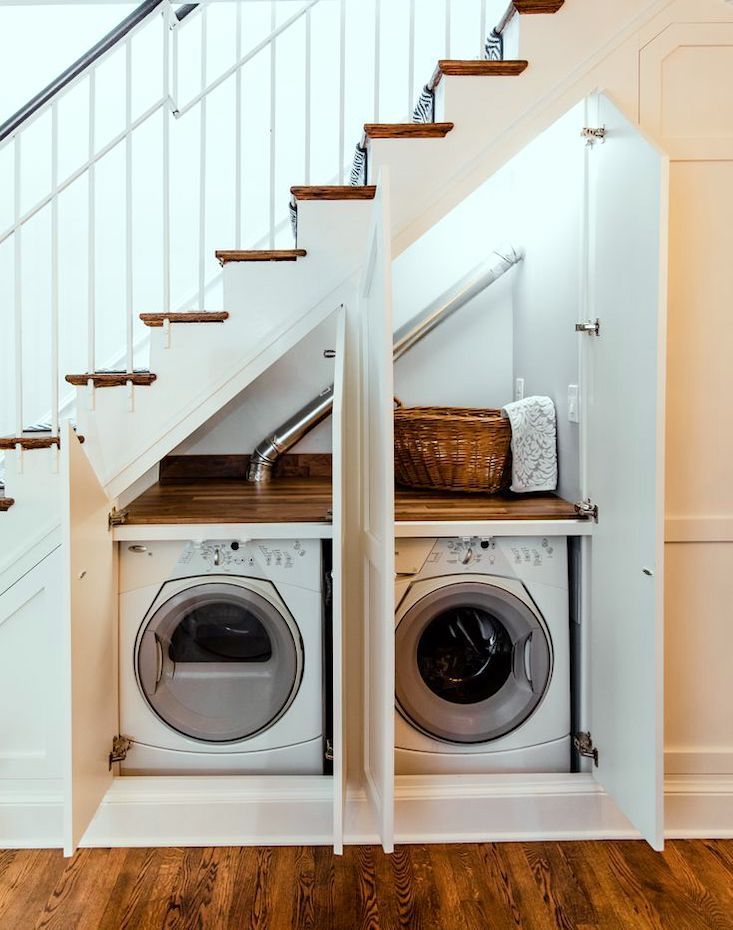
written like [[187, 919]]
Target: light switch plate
[[519, 389], [573, 404]]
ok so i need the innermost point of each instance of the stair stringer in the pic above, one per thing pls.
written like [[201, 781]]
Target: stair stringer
[[272, 305], [571, 54]]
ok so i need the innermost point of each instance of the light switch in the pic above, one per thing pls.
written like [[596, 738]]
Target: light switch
[[573, 411], [519, 389]]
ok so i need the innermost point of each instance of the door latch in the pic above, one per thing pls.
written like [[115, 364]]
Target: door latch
[[591, 328], [120, 748], [583, 742]]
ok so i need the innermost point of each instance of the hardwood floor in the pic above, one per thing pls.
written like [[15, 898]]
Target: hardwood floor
[[539, 886]]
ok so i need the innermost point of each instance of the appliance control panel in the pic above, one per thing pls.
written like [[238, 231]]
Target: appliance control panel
[[540, 559], [297, 561]]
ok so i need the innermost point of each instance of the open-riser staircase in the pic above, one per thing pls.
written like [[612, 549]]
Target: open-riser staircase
[[484, 111]]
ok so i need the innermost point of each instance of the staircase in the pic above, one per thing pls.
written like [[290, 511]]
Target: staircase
[[170, 378]]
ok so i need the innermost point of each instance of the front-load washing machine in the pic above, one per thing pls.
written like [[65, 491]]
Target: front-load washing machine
[[221, 657], [482, 653]]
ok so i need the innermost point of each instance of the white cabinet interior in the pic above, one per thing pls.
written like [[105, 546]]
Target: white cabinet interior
[[593, 220]]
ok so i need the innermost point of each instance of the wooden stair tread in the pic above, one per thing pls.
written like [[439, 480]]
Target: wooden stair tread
[[225, 256], [474, 68], [417, 506], [6, 503], [335, 192], [282, 500], [407, 130], [158, 319], [537, 6], [29, 442], [113, 378]]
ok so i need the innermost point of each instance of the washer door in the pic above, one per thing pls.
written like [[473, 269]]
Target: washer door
[[219, 662], [473, 661]]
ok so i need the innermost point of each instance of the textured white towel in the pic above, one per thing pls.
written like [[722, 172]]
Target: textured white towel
[[534, 444]]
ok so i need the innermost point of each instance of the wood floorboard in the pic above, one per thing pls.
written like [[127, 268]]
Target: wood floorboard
[[538, 886]]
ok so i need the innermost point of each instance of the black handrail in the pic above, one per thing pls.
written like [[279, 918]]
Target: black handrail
[[80, 65]]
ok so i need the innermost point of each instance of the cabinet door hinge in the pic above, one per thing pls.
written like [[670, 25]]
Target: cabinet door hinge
[[120, 747], [593, 134], [116, 517], [329, 750], [583, 742], [587, 509], [590, 327]]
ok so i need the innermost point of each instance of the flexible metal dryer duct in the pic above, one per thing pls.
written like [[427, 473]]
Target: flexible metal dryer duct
[[296, 427]]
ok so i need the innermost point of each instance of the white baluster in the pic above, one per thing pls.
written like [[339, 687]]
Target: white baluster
[[308, 77], [447, 27], [342, 90], [92, 228], [411, 62], [377, 54], [273, 119], [482, 38], [238, 134], [128, 206], [54, 270], [202, 168], [18, 257], [165, 113]]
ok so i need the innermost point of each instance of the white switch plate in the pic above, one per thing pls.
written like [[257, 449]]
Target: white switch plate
[[573, 408], [519, 389]]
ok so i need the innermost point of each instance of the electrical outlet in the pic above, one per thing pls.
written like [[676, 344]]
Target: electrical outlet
[[519, 389], [573, 406]]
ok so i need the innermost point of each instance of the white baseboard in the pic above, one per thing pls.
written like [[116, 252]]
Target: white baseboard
[[31, 814], [224, 811]]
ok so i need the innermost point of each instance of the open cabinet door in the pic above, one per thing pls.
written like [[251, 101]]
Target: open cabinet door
[[337, 591], [90, 578], [624, 369], [377, 516]]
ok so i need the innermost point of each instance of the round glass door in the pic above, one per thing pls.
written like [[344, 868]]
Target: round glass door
[[219, 662], [473, 661]]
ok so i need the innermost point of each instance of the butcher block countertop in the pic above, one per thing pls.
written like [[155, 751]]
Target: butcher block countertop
[[437, 506]]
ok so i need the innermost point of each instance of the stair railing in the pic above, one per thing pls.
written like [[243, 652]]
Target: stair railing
[[113, 219]]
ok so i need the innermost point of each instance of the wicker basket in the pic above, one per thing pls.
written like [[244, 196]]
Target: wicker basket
[[451, 448]]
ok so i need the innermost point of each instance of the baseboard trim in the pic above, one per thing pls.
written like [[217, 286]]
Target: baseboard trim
[[236, 812]]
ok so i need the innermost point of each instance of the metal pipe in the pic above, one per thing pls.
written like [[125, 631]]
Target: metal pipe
[[265, 456], [458, 296]]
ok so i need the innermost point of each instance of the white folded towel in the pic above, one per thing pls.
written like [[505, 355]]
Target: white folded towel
[[534, 444]]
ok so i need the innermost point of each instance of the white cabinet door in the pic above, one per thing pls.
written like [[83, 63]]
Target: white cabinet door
[[337, 591], [377, 516], [624, 421], [91, 657]]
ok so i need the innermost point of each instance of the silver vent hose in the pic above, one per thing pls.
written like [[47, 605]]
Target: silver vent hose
[[265, 456]]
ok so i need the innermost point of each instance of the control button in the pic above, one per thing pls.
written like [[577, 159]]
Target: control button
[[235, 545], [467, 556]]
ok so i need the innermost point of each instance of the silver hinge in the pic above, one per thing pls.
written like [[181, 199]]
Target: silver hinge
[[583, 742], [120, 748], [116, 517], [587, 508], [329, 751], [592, 328], [593, 134]]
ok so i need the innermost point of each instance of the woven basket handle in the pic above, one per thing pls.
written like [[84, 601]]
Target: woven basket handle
[[397, 402]]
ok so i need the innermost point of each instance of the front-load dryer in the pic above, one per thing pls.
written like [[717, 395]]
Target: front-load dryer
[[482, 656], [221, 657]]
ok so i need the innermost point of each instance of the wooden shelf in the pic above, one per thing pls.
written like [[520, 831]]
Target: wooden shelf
[[427, 512], [286, 500]]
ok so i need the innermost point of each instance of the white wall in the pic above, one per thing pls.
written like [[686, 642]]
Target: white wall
[[549, 192], [276, 395], [523, 325]]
